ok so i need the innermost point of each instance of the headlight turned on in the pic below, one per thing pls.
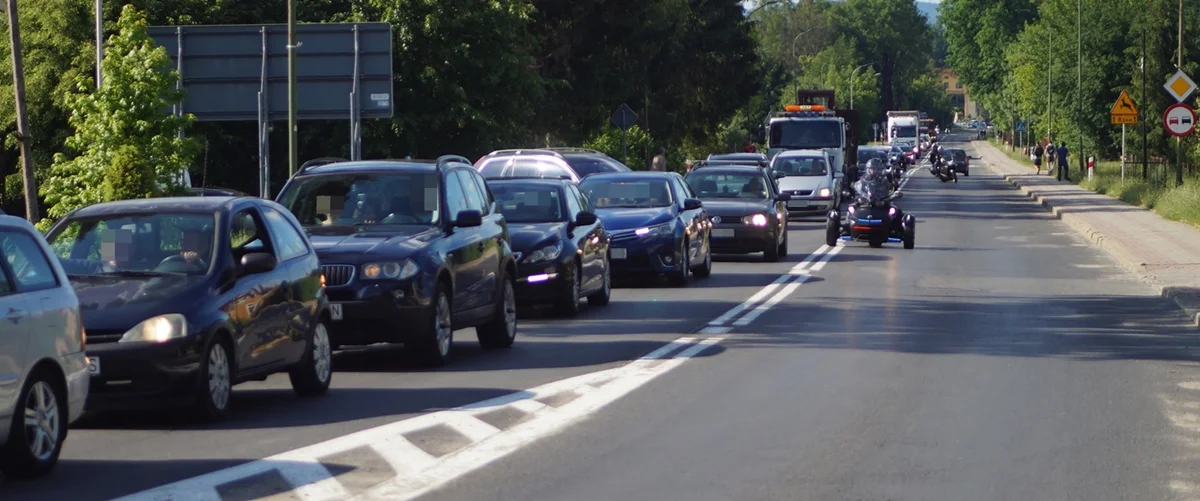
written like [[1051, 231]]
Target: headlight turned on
[[157, 329], [825, 192], [755, 220], [390, 270], [653, 231]]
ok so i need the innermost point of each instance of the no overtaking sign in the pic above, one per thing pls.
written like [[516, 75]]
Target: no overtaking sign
[[1179, 120]]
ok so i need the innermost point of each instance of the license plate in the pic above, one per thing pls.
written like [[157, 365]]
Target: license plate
[[335, 311], [93, 364], [619, 253], [722, 232], [797, 205]]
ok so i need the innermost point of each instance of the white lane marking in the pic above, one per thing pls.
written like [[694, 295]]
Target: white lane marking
[[787, 290], [758, 296], [712, 329], [314, 480]]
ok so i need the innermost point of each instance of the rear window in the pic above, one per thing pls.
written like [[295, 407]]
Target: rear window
[[592, 165], [507, 167]]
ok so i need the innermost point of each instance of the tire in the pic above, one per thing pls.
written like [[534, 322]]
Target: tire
[[783, 247], [501, 331], [771, 253], [601, 298], [680, 278], [435, 345], [215, 389], [313, 373], [25, 456], [706, 270], [910, 238], [876, 242], [967, 173], [832, 233], [568, 306]]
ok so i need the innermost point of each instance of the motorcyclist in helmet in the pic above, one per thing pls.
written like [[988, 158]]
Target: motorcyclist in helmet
[[875, 180]]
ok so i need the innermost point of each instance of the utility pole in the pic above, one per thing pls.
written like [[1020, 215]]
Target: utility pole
[[99, 41], [293, 148], [14, 39], [1049, 71], [1142, 119], [1179, 140], [1079, 88]]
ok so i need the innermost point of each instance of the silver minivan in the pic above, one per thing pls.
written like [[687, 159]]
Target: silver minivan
[[43, 368]]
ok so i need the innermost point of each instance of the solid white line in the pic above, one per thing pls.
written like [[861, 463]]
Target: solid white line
[[758, 296], [825, 259], [762, 308], [699, 347], [715, 330], [315, 482]]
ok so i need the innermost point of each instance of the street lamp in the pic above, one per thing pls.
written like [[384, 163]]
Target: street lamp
[[852, 82]]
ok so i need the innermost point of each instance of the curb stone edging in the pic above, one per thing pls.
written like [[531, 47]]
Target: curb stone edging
[[1186, 298]]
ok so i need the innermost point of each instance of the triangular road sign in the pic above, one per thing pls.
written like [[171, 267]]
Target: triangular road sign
[[1124, 112]]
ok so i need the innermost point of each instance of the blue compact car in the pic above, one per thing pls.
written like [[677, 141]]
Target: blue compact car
[[655, 224]]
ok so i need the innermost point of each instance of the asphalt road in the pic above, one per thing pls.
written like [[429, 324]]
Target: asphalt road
[[1003, 358]]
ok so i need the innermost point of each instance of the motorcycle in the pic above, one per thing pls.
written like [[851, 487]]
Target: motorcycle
[[941, 169], [871, 217]]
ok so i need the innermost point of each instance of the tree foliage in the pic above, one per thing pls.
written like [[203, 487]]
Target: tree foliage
[[123, 142]]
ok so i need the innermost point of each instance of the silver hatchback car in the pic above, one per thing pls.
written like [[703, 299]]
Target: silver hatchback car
[[43, 369]]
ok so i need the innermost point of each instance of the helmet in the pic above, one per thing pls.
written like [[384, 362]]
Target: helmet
[[874, 168]]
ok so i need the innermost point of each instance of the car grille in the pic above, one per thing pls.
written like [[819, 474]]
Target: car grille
[[337, 275], [800, 193], [621, 235], [103, 336]]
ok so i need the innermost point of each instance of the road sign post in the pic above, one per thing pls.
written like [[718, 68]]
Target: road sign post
[[624, 118], [1180, 86]]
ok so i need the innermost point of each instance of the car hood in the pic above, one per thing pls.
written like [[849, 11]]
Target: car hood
[[624, 219], [346, 245], [524, 237], [117, 303], [812, 183], [734, 207]]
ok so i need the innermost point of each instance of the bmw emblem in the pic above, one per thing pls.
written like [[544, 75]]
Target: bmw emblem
[[716, 219]]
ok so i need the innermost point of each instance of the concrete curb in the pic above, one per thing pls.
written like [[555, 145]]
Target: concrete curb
[[1186, 298]]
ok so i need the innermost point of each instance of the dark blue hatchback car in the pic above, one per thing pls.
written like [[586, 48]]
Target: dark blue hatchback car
[[655, 223]]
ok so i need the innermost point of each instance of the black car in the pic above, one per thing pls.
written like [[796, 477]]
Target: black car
[[184, 297], [212, 191], [411, 251], [560, 246], [655, 224], [748, 214], [586, 162], [958, 160]]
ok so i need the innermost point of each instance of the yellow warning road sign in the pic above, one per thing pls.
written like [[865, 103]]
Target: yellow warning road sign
[[1124, 112]]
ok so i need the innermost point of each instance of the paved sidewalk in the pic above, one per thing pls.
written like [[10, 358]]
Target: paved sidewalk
[[1162, 252]]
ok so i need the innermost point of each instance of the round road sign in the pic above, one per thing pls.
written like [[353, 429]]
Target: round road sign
[[1179, 119]]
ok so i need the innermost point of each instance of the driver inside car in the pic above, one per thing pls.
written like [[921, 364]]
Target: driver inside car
[[196, 247], [753, 189]]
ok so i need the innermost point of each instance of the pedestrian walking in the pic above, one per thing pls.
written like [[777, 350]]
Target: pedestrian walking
[[659, 162], [1063, 169], [1051, 164], [1037, 157]]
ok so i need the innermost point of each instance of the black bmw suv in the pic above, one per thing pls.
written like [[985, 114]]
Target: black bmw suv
[[411, 251]]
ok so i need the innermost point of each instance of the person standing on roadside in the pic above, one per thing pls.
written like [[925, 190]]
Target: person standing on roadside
[[1037, 157], [1062, 153], [659, 162], [750, 147]]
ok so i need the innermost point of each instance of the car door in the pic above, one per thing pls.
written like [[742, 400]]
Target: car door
[[257, 302], [15, 317], [302, 277], [694, 220], [486, 241], [463, 253], [590, 240], [781, 213]]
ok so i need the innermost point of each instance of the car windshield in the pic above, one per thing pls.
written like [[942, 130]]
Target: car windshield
[[960, 156], [161, 243], [528, 204], [904, 130], [728, 185], [627, 193], [808, 134], [514, 166], [873, 190], [363, 200], [593, 165], [801, 166], [866, 155]]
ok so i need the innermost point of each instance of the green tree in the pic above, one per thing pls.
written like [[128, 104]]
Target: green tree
[[125, 115], [608, 141], [978, 33], [894, 36]]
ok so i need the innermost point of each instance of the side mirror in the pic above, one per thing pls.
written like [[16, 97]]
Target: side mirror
[[778, 174], [783, 197], [585, 218], [897, 195], [692, 204], [468, 219], [257, 262]]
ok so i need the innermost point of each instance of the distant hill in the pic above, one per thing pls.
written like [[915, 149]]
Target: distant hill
[[929, 9]]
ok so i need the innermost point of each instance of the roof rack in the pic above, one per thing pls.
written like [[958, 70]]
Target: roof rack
[[569, 149], [317, 162], [529, 151], [562, 177], [446, 159]]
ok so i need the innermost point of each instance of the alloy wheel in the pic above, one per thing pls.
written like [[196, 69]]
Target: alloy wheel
[[218, 376], [443, 329], [510, 307], [42, 421], [322, 353]]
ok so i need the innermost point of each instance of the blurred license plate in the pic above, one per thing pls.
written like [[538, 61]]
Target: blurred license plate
[[93, 366], [335, 311], [619, 253], [797, 205], [722, 232]]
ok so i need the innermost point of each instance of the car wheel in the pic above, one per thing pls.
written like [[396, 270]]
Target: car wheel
[[680, 277], [313, 373], [39, 427], [783, 247], [910, 238], [216, 381], [832, 233], [705, 270], [967, 173], [501, 331], [568, 306], [601, 298], [771, 253], [876, 242], [435, 345]]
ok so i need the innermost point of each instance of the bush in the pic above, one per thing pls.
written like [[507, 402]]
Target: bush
[[609, 142], [127, 176]]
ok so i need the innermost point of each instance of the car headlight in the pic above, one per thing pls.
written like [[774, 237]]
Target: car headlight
[[390, 270], [756, 220], [157, 329], [825, 193], [850, 209], [546, 253], [655, 231]]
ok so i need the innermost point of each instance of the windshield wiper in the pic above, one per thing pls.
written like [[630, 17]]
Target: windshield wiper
[[142, 273]]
